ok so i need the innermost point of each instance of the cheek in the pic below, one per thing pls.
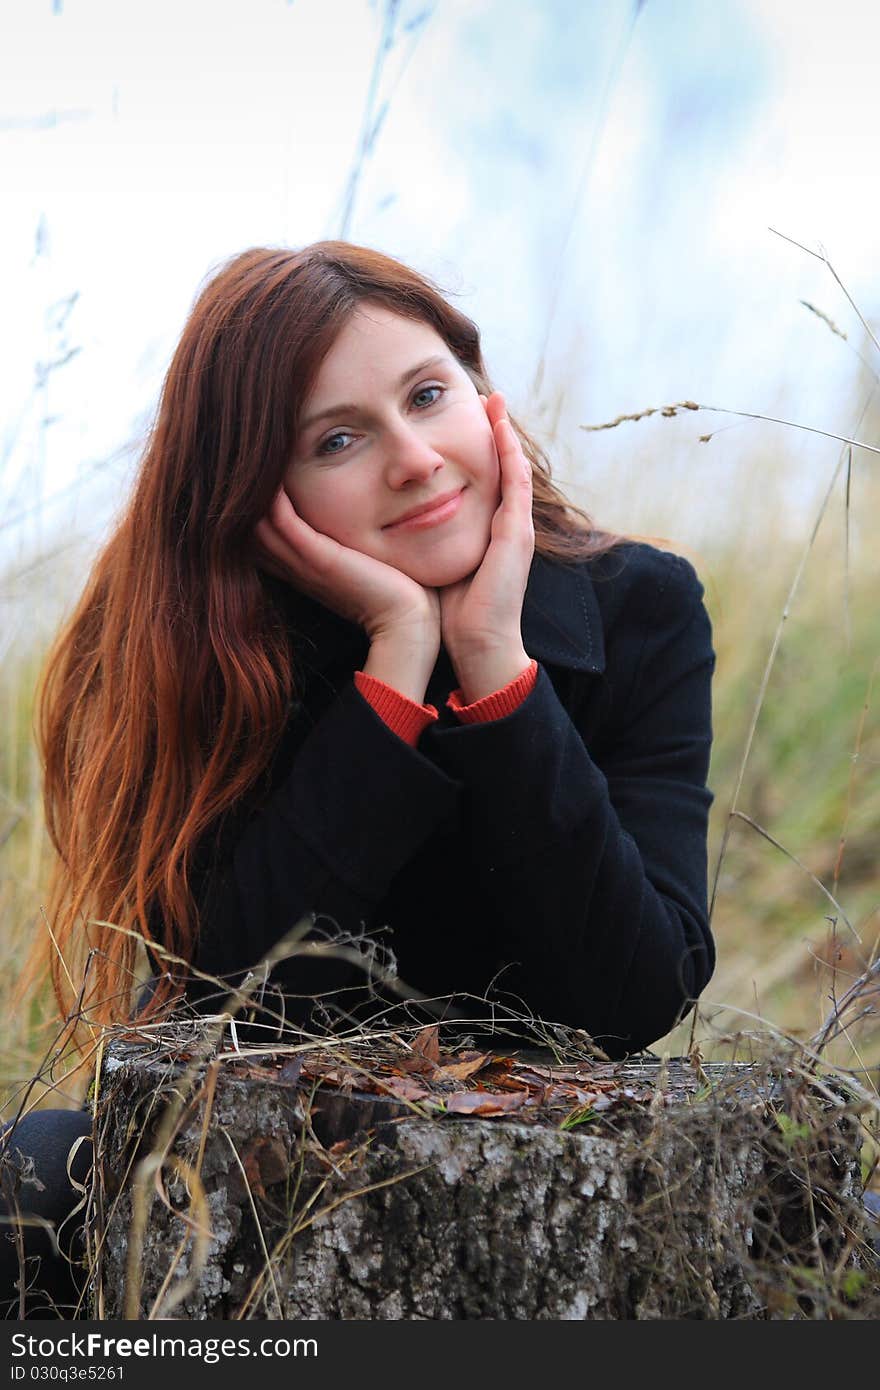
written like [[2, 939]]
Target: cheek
[[489, 468], [325, 505], [490, 474]]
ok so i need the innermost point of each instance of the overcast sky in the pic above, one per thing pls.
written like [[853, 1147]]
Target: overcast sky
[[593, 179]]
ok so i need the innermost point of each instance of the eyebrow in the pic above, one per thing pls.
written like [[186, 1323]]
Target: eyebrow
[[348, 408]]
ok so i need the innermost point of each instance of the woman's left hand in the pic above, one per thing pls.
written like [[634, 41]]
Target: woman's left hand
[[481, 615]]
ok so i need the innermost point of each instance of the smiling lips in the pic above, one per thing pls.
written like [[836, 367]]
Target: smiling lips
[[431, 514]]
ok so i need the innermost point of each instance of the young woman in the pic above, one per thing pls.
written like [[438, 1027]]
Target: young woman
[[351, 663]]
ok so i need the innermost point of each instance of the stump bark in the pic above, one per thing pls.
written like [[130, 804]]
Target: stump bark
[[295, 1185]]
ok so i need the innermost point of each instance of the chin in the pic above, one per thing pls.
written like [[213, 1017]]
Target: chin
[[439, 577], [438, 571], [445, 564]]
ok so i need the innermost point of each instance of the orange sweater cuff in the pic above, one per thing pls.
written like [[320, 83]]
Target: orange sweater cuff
[[404, 717], [499, 703]]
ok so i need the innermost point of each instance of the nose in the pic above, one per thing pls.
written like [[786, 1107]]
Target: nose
[[409, 456]]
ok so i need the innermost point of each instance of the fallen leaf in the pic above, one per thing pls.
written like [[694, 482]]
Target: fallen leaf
[[425, 1054], [484, 1102], [427, 1042], [491, 1081], [567, 1095], [417, 1065], [552, 1074], [404, 1087], [503, 1064], [461, 1070], [343, 1079], [534, 1078]]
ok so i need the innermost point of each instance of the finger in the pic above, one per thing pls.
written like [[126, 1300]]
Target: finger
[[300, 540], [515, 466], [272, 549], [496, 407], [507, 441], [283, 536], [283, 512]]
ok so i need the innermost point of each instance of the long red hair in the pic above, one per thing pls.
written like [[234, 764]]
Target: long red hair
[[166, 692]]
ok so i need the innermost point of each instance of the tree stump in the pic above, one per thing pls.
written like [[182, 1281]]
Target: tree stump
[[392, 1180]]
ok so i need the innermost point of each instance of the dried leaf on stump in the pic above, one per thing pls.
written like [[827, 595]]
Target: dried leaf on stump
[[404, 1087], [485, 1103], [462, 1070]]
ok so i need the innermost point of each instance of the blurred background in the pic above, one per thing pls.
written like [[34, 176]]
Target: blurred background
[[640, 202]]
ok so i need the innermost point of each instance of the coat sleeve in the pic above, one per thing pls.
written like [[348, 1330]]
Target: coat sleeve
[[597, 867], [356, 806]]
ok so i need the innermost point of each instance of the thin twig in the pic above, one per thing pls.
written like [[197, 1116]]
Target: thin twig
[[801, 865], [840, 334], [670, 410], [872, 973], [821, 255], [820, 314]]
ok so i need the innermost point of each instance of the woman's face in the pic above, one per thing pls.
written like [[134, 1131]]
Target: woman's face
[[394, 422]]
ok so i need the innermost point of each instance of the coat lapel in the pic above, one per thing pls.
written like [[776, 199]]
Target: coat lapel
[[561, 623]]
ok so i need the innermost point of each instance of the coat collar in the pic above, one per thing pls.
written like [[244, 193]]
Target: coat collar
[[561, 622]]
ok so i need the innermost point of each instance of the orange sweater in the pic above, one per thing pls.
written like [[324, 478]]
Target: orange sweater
[[409, 720]]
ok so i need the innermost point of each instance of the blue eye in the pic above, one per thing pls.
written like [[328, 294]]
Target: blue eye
[[421, 391], [323, 446]]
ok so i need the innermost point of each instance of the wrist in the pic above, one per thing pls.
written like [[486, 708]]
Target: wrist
[[403, 664], [484, 672]]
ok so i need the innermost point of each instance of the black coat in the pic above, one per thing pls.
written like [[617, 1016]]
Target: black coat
[[555, 857]]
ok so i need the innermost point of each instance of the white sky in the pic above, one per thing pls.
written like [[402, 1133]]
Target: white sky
[[141, 144]]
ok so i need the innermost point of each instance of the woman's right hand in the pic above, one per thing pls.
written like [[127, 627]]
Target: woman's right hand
[[384, 601]]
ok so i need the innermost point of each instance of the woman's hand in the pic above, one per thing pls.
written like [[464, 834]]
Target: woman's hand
[[384, 601], [481, 615]]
